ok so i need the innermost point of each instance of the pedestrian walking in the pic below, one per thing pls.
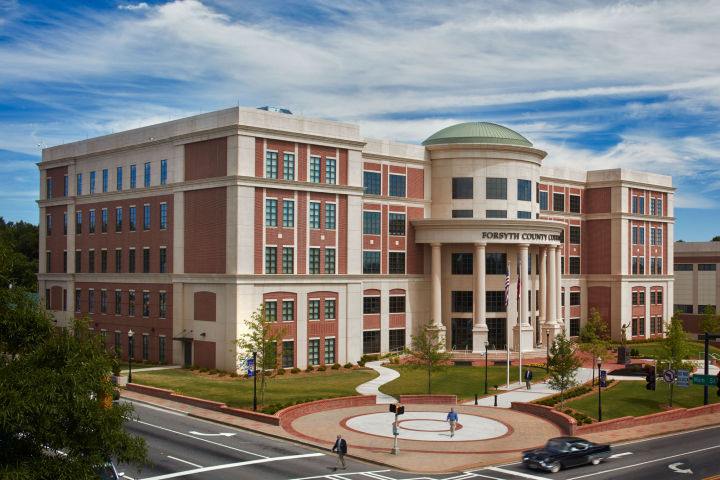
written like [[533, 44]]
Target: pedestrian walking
[[528, 377], [341, 448], [452, 418]]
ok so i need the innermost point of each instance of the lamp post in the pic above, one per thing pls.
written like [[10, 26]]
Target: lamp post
[[131, 351], [547, 351], [486, 363], [599, 362], [254, 380]]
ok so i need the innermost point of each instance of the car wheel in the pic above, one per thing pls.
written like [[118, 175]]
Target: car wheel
[[555, 467], [595, 460]]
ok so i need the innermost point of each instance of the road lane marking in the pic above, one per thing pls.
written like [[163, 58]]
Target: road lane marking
[[675, 467], [201, 439], [376, 476], [354, 473], [646, 462], [232, 465], [618, 455], [185, 461], [223, 434], [518, 474]]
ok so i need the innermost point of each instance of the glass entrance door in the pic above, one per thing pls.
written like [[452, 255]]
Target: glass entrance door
[[187, 347], [462, 333], [497, 335]]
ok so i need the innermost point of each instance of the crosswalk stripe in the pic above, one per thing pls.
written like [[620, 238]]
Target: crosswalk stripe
[[517, 474]]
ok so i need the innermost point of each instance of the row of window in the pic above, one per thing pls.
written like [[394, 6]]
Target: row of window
[[656, 297], [288, 214], [638, 236], [495, 188], [287, 354], [490, 214], [372, 223], [288, 310], [372, 181], [638, 205], [104, 220], [702, 267], [91, 261], [288, 260], [371, 304], [162, 344], [288, 167], [684, 308], [638, 266], [559, 202], [371, 262], [123, 303], [105, 179], [638, 326], [371, 341]]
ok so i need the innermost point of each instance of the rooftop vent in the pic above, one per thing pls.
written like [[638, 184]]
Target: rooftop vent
[[275, 109]]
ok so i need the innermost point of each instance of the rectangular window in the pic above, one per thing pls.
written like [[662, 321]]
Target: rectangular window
[[131, 261], [78, 261], [65, 187], [371, 305], [543, 200], [146, 260], [163, 260], [652, 209], [78, 292], [315, 169], [270, 260], [371, 262], [146, 304], [641, 326], [496, 188], [659, 236], [92, 221], [145, 346], [131, 347], [78, 184], [707, 267], [652, 236], [117, 342], [641, 266], [659, 324], [64, 223], [495, 264], [330, 171], [118, 260], [683, 267], [103, 301], [371, 342], [397, 224], [91, 261], [163, 172], [103, 261], [118, 302], [288, 310], [574, 235], [65, 262], [558, 202], [314, 310], [652, 265], [641, 298], [641, 207], [659, 266], [131, 303], [48, 225], [118, 219], [146, 217], [574, 265], [288, 260], [92, 182], [652, 298], [105, 180], [372, 183], [371, 223], [314, 214], [574, 327], [288, 213], [146, 181], [314, 261], [133, 176], [330, 216], [330, 309], [288, 354], [396, 263], [133, 218], [330, 261], [397, 186], [524, 188], [161, 349], [78, 223], [314, 351], [329, 351], [659, 212], [271, 166], [163, 216], [397, 304], [574, 298], [495, 213], [289, 166], [163, 304], [634, 204], [462, 263], [641, 235], [397, 340], [575, 203], [521, 214], [462, 214], [462, 188], [91, 301], [104, 220], [118, 179], [495, 301], [462, 301]]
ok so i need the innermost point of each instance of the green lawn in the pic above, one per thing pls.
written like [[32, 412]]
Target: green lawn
[[631, 398], [649, 350], [238, 392], [463, 381]]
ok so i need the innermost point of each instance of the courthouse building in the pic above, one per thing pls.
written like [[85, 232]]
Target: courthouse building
[[179, 231], [697, 281]]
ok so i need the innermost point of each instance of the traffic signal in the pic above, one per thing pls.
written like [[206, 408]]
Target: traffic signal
[[650, 379], [397, 409], [718, 390]]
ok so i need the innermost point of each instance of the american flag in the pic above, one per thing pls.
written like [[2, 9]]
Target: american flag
[[507, 287], [518, 287]]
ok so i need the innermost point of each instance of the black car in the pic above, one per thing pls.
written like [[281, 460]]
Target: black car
[[563, 452]]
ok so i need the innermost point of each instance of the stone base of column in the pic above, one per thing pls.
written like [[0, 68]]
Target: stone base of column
[[553, 328], [525, 334], [441, 330], [480, 337]]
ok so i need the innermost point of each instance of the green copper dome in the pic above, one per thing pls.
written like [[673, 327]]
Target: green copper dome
[[477, 132]]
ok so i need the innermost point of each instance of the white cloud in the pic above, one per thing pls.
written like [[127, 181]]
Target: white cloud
[[139, 6]]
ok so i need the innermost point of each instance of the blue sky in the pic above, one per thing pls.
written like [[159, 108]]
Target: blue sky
[[595, 84]]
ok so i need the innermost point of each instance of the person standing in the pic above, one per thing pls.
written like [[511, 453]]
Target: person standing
[[528, 377], [452, 419], [341, 448]]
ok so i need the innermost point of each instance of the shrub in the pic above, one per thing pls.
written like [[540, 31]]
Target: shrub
[[310, 369], [322, 368], [295, 370], [336, 366], [194, 367], [281, 371], [203, 370], [213, 371], [233, 374], [348, 365], [222, 373]]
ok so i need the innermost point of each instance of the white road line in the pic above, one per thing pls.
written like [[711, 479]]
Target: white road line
[[618, 455], [517, 474], [376, 476], [649, 461], [488, 476], [232, 465], [185, 461], [201, 439], [462, 476], [353, 473]]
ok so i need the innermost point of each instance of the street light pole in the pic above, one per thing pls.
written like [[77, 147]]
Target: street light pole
[[254, 380], [599, 362], [547, 351], [131, 351], [486, 365]]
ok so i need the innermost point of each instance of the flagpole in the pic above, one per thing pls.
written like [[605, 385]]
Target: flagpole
[[520, 377], [507, 322]]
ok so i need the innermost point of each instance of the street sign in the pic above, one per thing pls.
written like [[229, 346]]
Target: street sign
[[250, 369], [709, 380], [668, 376], [603, 378], [683, 378]]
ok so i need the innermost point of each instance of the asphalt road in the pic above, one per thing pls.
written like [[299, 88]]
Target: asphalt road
[[188, 448]]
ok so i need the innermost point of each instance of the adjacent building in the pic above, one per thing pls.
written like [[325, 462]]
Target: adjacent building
[[697, 281], [179, 231]]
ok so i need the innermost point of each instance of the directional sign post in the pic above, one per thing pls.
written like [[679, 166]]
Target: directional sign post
[[705, 380], [683, 378]]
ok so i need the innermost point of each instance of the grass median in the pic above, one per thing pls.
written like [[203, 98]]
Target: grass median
[[650, 350], [238, 392]]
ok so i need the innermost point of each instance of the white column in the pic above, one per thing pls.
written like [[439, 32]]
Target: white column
[[551, 285], [558, 278], [480, 329], [543, 284], [436, 295], [524, 284]]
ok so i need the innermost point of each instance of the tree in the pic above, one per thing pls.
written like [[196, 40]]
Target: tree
[[716, 238], [429, 351], [263, 337], [709, 322], [564, 365], [21, 239], [594, 338], [675, 349]]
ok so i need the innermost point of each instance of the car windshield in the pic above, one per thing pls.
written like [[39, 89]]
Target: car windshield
[[556, 445], [106, 473]]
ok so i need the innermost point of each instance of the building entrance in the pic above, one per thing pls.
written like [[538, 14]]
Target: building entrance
[[462, 333], [497, 334]]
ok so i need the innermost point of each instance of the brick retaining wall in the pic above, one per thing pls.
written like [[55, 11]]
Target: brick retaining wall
[[289, 414], [566, 423], [429, 399], [630, 422]]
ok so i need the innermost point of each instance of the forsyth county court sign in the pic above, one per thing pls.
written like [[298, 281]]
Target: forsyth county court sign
[[532, 232], [520, 236]]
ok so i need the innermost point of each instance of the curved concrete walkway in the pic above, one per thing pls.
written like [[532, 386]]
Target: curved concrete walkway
[[372, 387]]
